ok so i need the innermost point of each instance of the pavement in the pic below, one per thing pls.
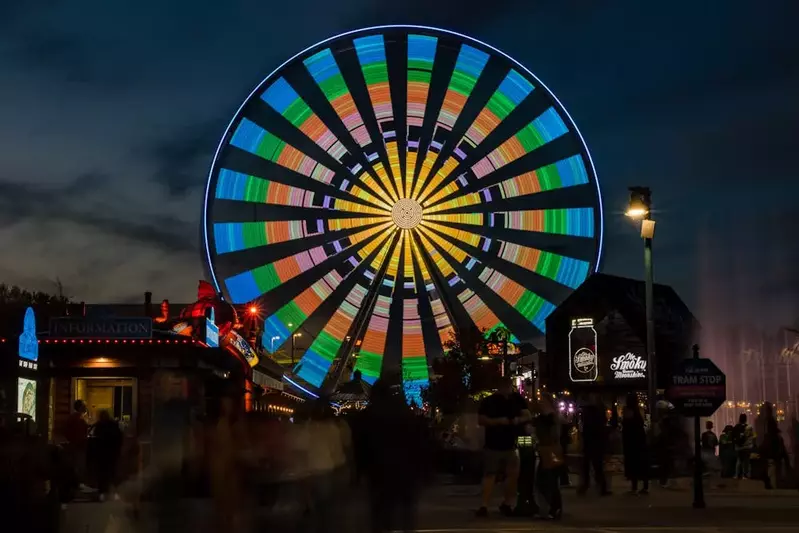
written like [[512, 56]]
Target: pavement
[[738, 508]]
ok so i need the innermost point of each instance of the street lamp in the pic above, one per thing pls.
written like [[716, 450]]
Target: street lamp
[[640, 208], [293, 337], [276, 337]]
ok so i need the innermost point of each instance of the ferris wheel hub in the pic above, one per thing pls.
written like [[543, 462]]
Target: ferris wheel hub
[[406, 213]]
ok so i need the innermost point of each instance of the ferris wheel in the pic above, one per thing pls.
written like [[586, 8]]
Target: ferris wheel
[[389, 185]]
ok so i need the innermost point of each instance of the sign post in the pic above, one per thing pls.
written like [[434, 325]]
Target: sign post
[[697, 390]]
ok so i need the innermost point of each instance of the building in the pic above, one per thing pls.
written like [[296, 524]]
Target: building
[[596, 339]]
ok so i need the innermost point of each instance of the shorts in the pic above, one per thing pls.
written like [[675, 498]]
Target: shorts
[[496, 461]]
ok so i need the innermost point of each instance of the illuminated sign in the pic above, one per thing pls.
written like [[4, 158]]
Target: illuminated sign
[[104, 328], [237, 343], [26, 397], [28, 343], [583, 361], [628, 366], [211, 330]]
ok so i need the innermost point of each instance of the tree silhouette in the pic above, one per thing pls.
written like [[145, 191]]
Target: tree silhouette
[[457, 377], [14, 300]]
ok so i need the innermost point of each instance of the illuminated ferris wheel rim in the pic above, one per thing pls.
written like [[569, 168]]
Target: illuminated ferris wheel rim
[[321, 44]]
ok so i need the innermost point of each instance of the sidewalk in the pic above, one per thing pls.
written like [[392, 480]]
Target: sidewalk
[[452, 506]]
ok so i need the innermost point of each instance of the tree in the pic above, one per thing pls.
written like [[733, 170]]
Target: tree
[[12, 295], [14, 300], [456, 377]]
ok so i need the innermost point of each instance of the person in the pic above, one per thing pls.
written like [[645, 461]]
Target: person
[[565, 441], [768, 443], [668, 439], [397, 458], [727, 453], [551, 459], [76, 434], [107, 446], [743, 437], [503, 415], [595, 433], [636, 453], [328, 446], [709, 442]]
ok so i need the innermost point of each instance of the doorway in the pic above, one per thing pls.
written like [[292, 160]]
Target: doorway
[[115, 395]]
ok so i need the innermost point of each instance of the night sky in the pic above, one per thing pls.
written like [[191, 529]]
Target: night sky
[[111, 112]]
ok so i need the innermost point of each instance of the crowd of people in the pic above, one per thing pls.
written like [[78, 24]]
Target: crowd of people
[[308, 467], [742, 451], [746, 451]]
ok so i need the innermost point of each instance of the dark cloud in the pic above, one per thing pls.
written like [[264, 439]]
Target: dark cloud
[[19, 202], [182, 158]]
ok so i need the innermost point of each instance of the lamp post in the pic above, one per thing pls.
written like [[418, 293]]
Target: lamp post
[[276, 337], [293, 339], [640, 208]]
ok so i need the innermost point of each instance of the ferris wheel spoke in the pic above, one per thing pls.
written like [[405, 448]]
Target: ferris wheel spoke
[[551, 166], [250, 246], [467, 74], [432, 320], [251, 188], [251, 137], [430, 66], [548, 275], [448, 310], [235, 211], [498, 201], [397, 129], [454, 149], [481, 314], [335, 339], [565, 245], [516, 307], [514, 132], [281, 127], [373, 334], [363, 91], [441, 316], [413, 362], [248, 284], [364, 140]]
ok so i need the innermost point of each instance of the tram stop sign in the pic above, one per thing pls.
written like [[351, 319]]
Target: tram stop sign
[[698, 388]]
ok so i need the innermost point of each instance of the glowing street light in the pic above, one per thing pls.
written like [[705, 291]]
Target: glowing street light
[[293, 338], [640, 203], [640, 208], [253, 310]]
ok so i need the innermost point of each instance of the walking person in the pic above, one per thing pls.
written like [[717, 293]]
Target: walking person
[[551, 459], [107, 447], [595, 434], [503, 415], [76, 434], [709, 443], [636, 452], [743, 436], [397, 459], [727, 454], [768, 444]]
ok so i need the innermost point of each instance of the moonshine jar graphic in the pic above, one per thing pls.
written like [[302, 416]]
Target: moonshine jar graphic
[[583, 363]]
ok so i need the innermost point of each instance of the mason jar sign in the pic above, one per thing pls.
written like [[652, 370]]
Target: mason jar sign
[[582, 351]]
